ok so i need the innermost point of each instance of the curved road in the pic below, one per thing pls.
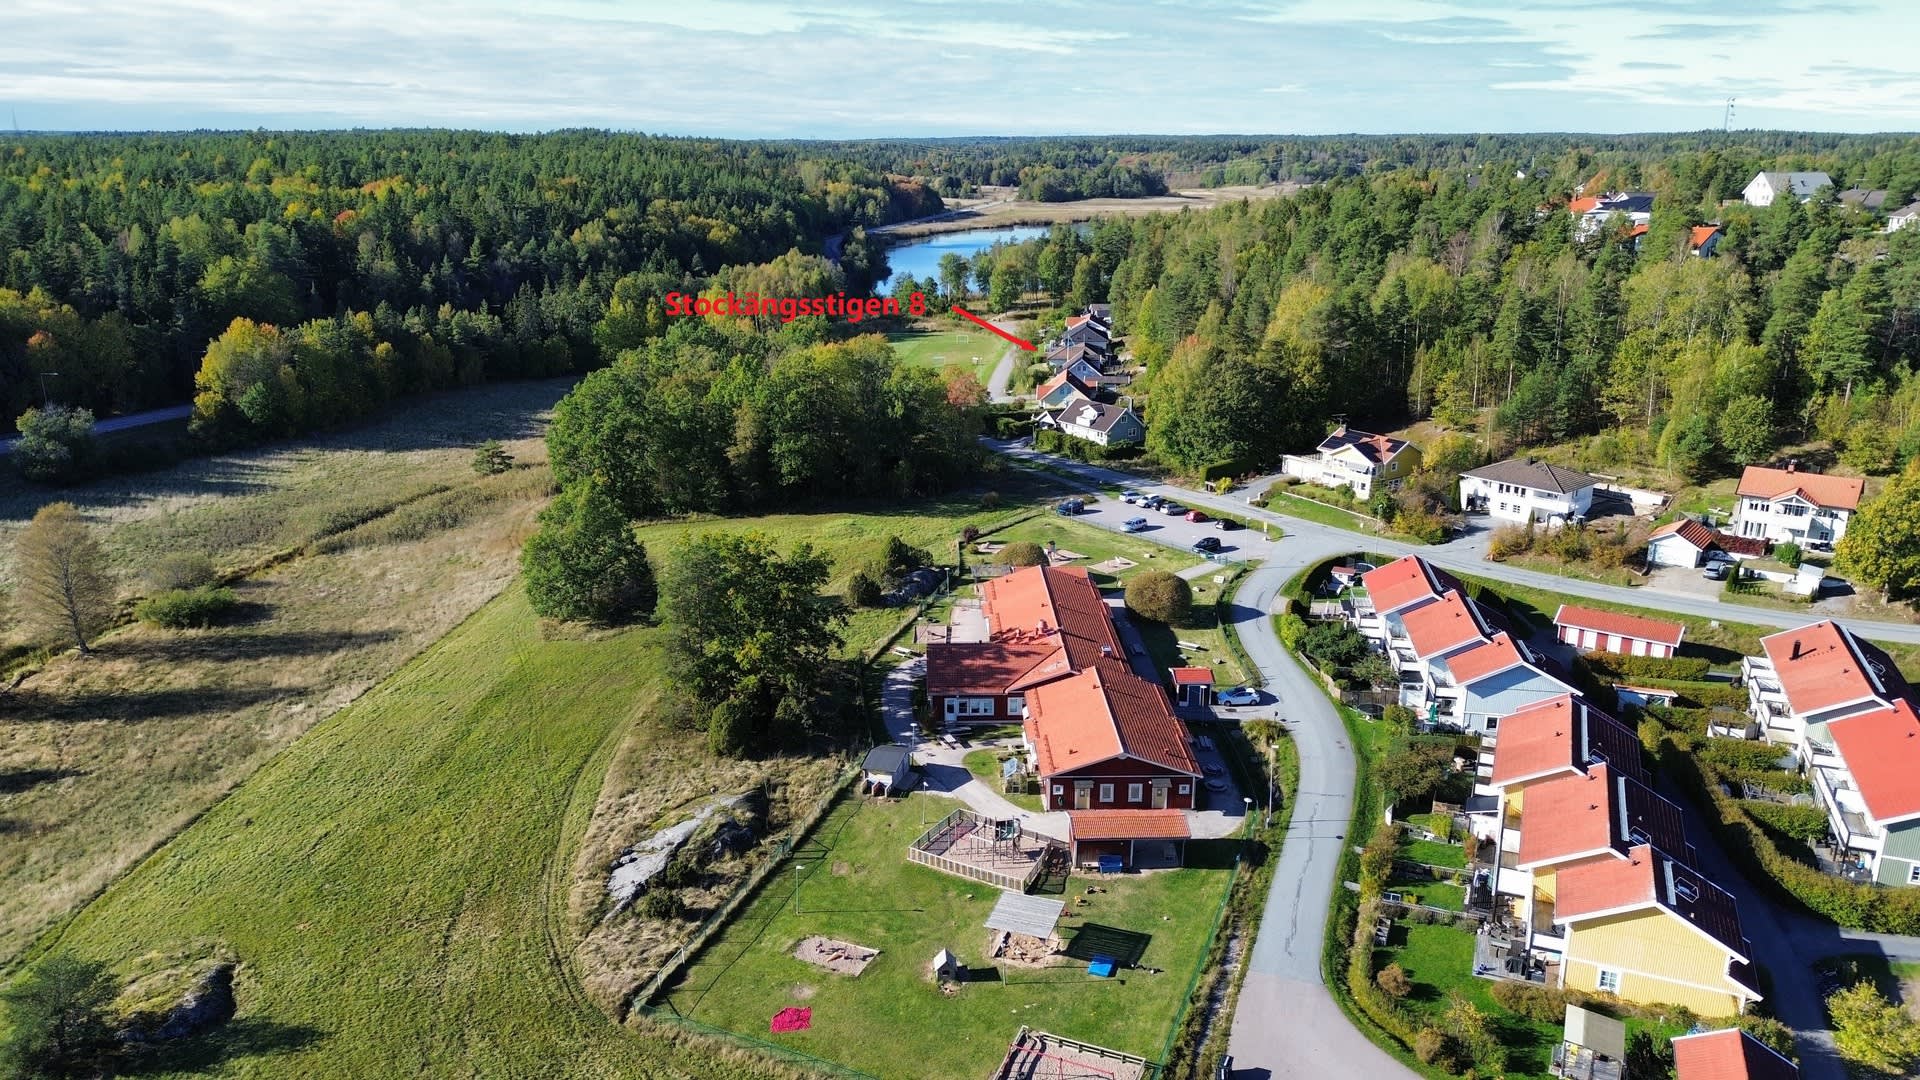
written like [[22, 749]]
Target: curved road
[[1287, 1023], [123, 423]]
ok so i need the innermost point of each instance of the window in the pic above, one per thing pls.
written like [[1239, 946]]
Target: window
[[1913, 873], [1059, 789], [1186, 789], [972, 706], [1609, 981], [1017, 705], [1134, 792], [1106, 792], [1493, 723]]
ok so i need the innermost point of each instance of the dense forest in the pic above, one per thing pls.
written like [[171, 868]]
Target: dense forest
[[458, 256], [1466, 297]]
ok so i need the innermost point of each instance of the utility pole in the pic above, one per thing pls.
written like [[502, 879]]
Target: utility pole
[[1729, 120]]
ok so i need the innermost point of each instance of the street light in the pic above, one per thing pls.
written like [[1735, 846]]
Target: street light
[[46, 398], [796, 888], [1269, 823], [1248, 800]]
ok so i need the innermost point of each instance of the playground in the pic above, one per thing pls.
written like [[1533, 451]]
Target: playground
[[997, 853], [853, 882]]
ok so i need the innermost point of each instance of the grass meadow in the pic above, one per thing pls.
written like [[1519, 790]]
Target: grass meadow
[[937, 344]]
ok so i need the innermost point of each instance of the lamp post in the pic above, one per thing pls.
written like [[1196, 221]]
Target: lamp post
[[796, 888], [1269, 822], [46, 398], [1248, 800]]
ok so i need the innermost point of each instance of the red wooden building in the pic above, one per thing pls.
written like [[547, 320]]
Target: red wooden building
[[1107, 739]]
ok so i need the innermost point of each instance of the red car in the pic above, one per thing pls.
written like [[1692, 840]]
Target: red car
[[1195, 515]]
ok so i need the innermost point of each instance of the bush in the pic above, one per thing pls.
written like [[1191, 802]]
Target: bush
[[969, 533], [1221, 469], [1400, 716], [1383, 506], [491, 459], [1508, 541], [1544, 1004], [179, 570], [56, 443], [1293, 629], [1393, 980], [663, 904], [1007, 427], [863, 590], [186, 609], [1160, 596], [1872, 1032], [1789, 553], [1806, 824], [990, 500], [1023, 553], [1437, 1048], [1638, 668], [1422, 526], [1332, 645]]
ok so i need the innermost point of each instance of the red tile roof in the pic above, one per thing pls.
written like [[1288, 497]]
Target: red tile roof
[[1602, 812], [1437, 629], [1687, 529], [1489, 658], [1375, 448], [1647, 879], [1401, 582], [1728, 1054], [1882, 752], [1700, 235], [1582, 205], [993, 668], [1191, 676], [1051, 600], [1840, 492], [1562, 734], [1754, 546], [1613, 622], [1100, 714], [1822, 665], [1127, 825]]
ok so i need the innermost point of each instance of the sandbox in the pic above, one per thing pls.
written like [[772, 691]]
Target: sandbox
[[839, 957]]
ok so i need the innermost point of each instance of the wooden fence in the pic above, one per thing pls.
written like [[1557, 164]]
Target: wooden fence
[[1003, 879]]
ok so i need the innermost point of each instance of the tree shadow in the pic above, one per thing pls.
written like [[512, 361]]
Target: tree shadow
[[247, 646], [236, 1040], [130, 705], [16, 781], [1216, 854]]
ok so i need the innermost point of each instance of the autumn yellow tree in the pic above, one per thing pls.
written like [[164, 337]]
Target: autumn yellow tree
[[64, 589]]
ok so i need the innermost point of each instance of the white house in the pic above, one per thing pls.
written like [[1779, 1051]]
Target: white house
[[1098, 422], [1353, 458], [1522, 489], [1591, 213], [1592, 630], [1790, 506], [1903, 217], [1768, 186], [1684, 542]]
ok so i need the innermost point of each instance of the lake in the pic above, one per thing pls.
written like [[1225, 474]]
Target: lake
[[921, 257]]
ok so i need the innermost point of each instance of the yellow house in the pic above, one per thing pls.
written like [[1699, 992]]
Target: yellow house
[[1650, 929]]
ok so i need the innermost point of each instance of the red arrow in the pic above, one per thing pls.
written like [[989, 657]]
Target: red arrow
[[971, 317]]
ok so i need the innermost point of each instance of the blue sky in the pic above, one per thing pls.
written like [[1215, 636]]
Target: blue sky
[[848, 69]]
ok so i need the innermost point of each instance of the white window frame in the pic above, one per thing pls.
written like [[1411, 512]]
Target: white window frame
[[1913, 873], [1105, 793], [1607, 981], [1186, 789], [1136, 792]]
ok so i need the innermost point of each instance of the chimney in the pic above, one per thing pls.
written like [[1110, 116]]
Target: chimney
[[1796, 650], [1793, 464], [1106, 650]]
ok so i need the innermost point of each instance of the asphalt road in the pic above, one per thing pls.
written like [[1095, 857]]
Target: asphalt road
[[122, 423]]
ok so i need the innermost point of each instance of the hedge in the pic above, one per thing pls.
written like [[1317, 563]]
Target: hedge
[[1632, 668], [1221, 470]]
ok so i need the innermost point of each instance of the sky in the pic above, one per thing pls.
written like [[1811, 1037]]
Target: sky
[[834, 69]]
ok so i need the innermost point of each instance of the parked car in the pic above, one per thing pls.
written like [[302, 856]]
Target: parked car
[[1172, 509], [1130, 496], [1225, 524], [1197, 516], [1716, 571], [1070, 507], [1153, 502], [1717, 555], [1239, 695], [1207, 544], [1216, 785], [1134, 524]]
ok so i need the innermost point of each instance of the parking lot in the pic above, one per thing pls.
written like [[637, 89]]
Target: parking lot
[[1236, 545]]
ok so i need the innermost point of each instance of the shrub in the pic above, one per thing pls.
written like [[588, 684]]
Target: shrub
[[1399, 716], [1873, 1032], [1383, 506], [1789, 553], [1393, 980], [1422, 526], [1333, 645], [1545, 1004], [990, 500], [1293, 629], [1160, 596], [1803, 823], [1435, 1047], [969, 533], [663, 904], [491, 459], [1023, 553], [1508, 541], [1007, 427], [185, 609], [1221, 469], [179, 570], [56, 443], [1637, 668], [863, 590]]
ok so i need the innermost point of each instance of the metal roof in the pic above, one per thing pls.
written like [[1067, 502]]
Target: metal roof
[[1597, 1032], [1019, 913]]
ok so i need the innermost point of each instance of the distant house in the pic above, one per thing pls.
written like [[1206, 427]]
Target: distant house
[[1702, 240], [1522, 490], [888, 770], [1097, 422], [1684, 542], [1591, 213], [1082, 330], [1101, 314], [1768, 186], [1790, 506], [1593, 630], [1871, 199], [1903, 217], [1065, 356], [1728, 1054], [1356, 459]]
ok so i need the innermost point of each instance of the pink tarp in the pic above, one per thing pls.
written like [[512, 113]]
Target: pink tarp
[[791, 1018]]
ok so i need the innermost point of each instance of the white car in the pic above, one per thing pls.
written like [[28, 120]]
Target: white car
[[1134, 524], [1239, 695]]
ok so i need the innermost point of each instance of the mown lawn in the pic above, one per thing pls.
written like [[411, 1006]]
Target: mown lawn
[[393, 883], [856, 886], [1439, 961], [1434, 853]]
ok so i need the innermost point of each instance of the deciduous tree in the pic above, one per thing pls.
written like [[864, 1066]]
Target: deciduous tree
[[55, 443], [1871, 1031], [1882, 545], [585, 563], [58, 1020], [64, 590], [1160, 596]]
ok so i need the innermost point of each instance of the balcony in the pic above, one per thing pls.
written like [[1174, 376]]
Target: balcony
[[1547, 936], [1847, 811]]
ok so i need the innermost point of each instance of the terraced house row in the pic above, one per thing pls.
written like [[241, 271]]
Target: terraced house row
[[1842, 708], [1584, 872]]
